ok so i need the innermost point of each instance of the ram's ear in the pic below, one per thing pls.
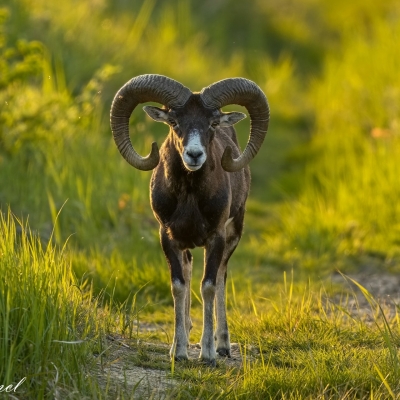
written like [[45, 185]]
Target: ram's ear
[[229, 119], [156, 113]]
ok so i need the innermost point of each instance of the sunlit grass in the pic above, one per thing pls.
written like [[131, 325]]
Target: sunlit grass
[[48, 325], [296, 344], [353, 183]]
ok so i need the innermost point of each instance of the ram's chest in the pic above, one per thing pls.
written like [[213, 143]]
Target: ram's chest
[[190, 219]]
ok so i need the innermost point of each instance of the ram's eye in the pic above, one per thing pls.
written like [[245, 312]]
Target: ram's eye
[[214, 124], [172, 123]]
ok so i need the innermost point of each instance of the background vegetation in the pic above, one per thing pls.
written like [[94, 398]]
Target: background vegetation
[[325, 192]]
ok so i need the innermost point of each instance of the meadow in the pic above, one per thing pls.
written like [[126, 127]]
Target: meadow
[[80, 262]]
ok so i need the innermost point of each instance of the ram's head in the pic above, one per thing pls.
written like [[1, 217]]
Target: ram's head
[[194, 118]]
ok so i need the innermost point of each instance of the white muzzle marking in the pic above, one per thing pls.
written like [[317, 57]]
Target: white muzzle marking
[[194, 153]]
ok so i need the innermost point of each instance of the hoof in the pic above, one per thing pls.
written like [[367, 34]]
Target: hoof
[[181, 358], [209, 363], [224, 352]]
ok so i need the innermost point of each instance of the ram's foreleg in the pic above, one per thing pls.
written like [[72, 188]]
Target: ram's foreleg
[[177, 262]]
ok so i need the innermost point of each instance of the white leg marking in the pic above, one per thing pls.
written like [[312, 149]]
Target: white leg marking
[[180, 343], [207, 340]]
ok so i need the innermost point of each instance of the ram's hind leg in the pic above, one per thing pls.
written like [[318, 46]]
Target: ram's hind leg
[[233, 233], [223, 346], [214, 251], [187, 274]]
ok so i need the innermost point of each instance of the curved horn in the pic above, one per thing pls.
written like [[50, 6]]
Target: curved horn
[[245, 93], [141, 89]]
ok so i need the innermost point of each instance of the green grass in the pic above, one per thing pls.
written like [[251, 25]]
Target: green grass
[[324, 195], [295, 343], [48, 325]]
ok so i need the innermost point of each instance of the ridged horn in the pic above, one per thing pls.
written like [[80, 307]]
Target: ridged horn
[[248, 94], [141, 89]]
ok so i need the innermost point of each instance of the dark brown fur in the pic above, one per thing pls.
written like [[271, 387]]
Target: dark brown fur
[[191, 206]]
